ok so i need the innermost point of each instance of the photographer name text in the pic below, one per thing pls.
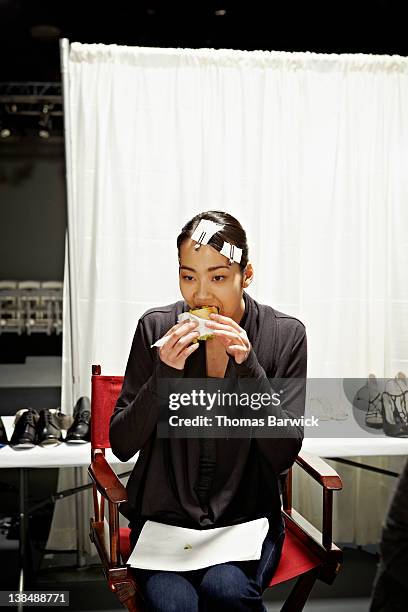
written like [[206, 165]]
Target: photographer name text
[[224, 421]]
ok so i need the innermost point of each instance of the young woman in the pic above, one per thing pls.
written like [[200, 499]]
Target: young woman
[[205, 483]]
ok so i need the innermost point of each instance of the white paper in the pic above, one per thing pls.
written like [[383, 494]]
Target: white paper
[[236, 252], [202, 323], [169, 548], [187, 316], [206, 230], [161, 341]]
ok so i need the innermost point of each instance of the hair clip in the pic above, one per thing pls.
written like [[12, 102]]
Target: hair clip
[[204, 231], [232, 252], [200, 240]]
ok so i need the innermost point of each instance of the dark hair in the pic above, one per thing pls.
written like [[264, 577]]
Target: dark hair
[[232, 232]]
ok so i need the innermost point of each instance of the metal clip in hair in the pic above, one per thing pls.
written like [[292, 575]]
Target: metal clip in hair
[[204, 231], [232, 252]]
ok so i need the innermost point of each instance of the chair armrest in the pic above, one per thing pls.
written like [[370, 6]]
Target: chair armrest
[[326, 476], [106, 481], [320, 471], [109, 486]]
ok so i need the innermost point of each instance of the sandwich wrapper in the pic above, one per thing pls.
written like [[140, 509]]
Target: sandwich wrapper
[[187, 316], [170, 548]]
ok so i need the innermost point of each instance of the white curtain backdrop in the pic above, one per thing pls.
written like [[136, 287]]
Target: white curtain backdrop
[[308, 151]]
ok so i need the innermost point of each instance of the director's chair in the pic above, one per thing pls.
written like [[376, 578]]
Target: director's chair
[[307, 553]]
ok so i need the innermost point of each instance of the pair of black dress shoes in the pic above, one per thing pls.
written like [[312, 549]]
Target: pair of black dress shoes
[[44, 427]]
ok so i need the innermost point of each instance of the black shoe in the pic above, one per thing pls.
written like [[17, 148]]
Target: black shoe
[[3, 435], [25, 429], [49, 427], [80, 430]]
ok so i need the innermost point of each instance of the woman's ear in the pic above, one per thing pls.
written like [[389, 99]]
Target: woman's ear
[[248, 275]]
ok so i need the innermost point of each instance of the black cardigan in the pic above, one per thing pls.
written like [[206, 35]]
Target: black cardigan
[[240, 475]]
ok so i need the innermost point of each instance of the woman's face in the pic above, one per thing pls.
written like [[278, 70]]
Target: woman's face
[[206, 279]]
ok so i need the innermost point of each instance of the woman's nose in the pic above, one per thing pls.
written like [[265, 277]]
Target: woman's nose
[[202, 294]]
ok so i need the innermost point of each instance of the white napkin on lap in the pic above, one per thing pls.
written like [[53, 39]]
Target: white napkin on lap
[[187, 316], [170, 548]]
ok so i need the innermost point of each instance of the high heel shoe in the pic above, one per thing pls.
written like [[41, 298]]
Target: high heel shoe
[[402, 405], [374, 417], [393, 424], [368, 398]]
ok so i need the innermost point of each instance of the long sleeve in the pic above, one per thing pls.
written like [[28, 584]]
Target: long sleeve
[[137, 409], [280, 452]]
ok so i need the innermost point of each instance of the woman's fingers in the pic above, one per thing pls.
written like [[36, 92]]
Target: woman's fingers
[[188, 350], [226, 334], [172, 351], [178, 326], [214, 325], [238, 351], [185, 340], [176, 334], [235, 341], [179, 345], [217, 318], [228, 326]]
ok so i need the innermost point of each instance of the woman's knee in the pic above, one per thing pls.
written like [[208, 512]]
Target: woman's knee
[[226, 587], [170, 592]]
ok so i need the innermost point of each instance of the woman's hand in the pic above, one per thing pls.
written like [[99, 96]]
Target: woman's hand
[[231, 335], [178, 347]]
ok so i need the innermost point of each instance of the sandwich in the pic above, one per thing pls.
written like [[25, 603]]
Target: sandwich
[[204, 313]]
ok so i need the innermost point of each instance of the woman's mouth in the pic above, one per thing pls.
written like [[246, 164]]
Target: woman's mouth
[[198, 306]]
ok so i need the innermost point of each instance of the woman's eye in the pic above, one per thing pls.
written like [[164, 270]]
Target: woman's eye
[[217, 278]]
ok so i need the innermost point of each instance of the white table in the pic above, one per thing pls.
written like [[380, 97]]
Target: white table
[[349, 447], [64, 455], [79, 455]]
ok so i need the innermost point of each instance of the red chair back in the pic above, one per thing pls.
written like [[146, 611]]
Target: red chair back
[[105, 392]]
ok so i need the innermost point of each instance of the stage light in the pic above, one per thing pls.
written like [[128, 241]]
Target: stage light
[[44, 134], [220, 12], [30, 110], [44, 130], [5, 124]]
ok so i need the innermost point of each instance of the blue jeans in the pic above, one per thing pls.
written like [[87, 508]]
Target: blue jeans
[[234, 585]]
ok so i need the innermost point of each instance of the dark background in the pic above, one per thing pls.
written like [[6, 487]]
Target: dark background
[[33, 211], [32, 173], [30, 28]]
